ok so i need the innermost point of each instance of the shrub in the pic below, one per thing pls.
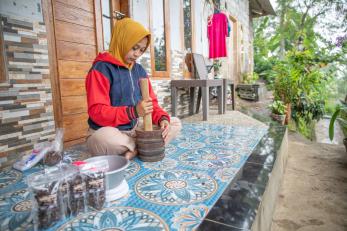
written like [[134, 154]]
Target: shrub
[[250, 77], [278, 107]]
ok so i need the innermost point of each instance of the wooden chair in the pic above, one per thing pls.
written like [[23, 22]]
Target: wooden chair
[[201, 80], [202, 69]]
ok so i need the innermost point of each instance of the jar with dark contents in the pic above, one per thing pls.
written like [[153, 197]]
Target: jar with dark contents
[[52, 157], [78, 195], [96, 189], [64, 194], [48, 210], [55, 153], [64, 198]]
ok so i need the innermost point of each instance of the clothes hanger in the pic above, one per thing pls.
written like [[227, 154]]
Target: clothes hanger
[[118, 15]]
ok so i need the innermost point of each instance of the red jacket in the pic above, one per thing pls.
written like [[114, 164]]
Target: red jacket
[[113, 91]]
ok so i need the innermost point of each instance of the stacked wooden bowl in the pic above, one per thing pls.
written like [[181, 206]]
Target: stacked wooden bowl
[[149, 141], [150, 144]]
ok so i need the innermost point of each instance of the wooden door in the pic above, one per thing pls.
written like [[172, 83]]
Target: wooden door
[[75, 36]]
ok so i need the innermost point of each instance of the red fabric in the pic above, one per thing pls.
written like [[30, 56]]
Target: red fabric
[[99, 104], [100, 109], [217, 31], [107, 57]]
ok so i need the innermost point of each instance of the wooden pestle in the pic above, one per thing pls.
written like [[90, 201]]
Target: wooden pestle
[[147, 119]]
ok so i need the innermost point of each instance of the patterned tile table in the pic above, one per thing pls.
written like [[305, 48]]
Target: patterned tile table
[[173, 194]]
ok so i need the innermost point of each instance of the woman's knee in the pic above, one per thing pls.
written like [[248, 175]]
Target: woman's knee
[[109, 140]]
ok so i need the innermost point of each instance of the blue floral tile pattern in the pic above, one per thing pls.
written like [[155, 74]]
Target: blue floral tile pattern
[[15, 209], [191, 145], [209, 158], [164, 164], [175, 187], [9, 177], [225, 174], [189, 218], [119, 218], [173, 194], [170, 149], [132, 169]]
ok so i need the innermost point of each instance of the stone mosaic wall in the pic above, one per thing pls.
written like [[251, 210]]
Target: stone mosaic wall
[[177, 64], [26, 112], [162, 87]]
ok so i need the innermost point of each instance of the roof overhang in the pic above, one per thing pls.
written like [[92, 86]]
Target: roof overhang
[[259, 8]]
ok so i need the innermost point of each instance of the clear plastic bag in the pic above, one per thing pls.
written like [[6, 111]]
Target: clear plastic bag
[[46, 206], [55, 154], [36, 155], [78, 194], [94, 174], [64, 193]]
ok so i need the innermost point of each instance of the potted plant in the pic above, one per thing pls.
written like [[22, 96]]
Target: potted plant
[[249, 77], [217, 64], [278, 111], [249, 89], [340, 114]]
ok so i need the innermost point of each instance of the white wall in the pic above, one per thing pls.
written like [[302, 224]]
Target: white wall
[[29, 9], [239, 9]]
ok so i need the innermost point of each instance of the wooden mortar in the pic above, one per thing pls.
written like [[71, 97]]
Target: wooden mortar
[[150, 143]]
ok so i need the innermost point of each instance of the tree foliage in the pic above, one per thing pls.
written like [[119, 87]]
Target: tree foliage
[[299, 57]]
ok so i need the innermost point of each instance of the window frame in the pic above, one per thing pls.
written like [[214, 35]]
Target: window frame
[[154, 73], [3, 59], [242, 50], [186, 73], [235, 53], [115, 5]]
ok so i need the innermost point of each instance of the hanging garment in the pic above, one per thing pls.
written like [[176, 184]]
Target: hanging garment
[[229, 26], [229, 29], [217, 31]]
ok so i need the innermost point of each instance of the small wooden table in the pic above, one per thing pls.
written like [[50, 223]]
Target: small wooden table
[[205, 84]]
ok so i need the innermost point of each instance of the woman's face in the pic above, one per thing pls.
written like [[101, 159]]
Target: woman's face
[[136, 51]]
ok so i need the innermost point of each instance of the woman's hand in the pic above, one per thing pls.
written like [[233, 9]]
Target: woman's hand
[[165, 127], [144, 107]]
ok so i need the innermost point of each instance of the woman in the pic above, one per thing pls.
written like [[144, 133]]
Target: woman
[[114, 96]]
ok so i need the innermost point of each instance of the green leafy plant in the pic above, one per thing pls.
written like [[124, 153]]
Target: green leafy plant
[[278, 107], [301, 83], [217, 64], [249, 77], [338, 115]]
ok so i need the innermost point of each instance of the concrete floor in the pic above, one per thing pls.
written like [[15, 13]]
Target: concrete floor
[[313, 195], [314, 188]]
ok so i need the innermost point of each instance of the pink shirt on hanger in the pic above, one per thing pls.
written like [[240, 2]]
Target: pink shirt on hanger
[[217, 31]]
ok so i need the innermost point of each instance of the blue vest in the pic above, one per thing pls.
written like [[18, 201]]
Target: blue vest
[[124, 87]]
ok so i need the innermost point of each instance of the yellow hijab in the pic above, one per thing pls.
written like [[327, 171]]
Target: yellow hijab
[[126, 33]]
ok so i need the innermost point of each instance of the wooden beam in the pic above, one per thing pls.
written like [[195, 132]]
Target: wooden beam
[[162, 74], [3, 60], [47, 8], [99, 36]]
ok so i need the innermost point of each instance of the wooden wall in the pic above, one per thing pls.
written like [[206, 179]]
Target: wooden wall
[[74, 24]]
